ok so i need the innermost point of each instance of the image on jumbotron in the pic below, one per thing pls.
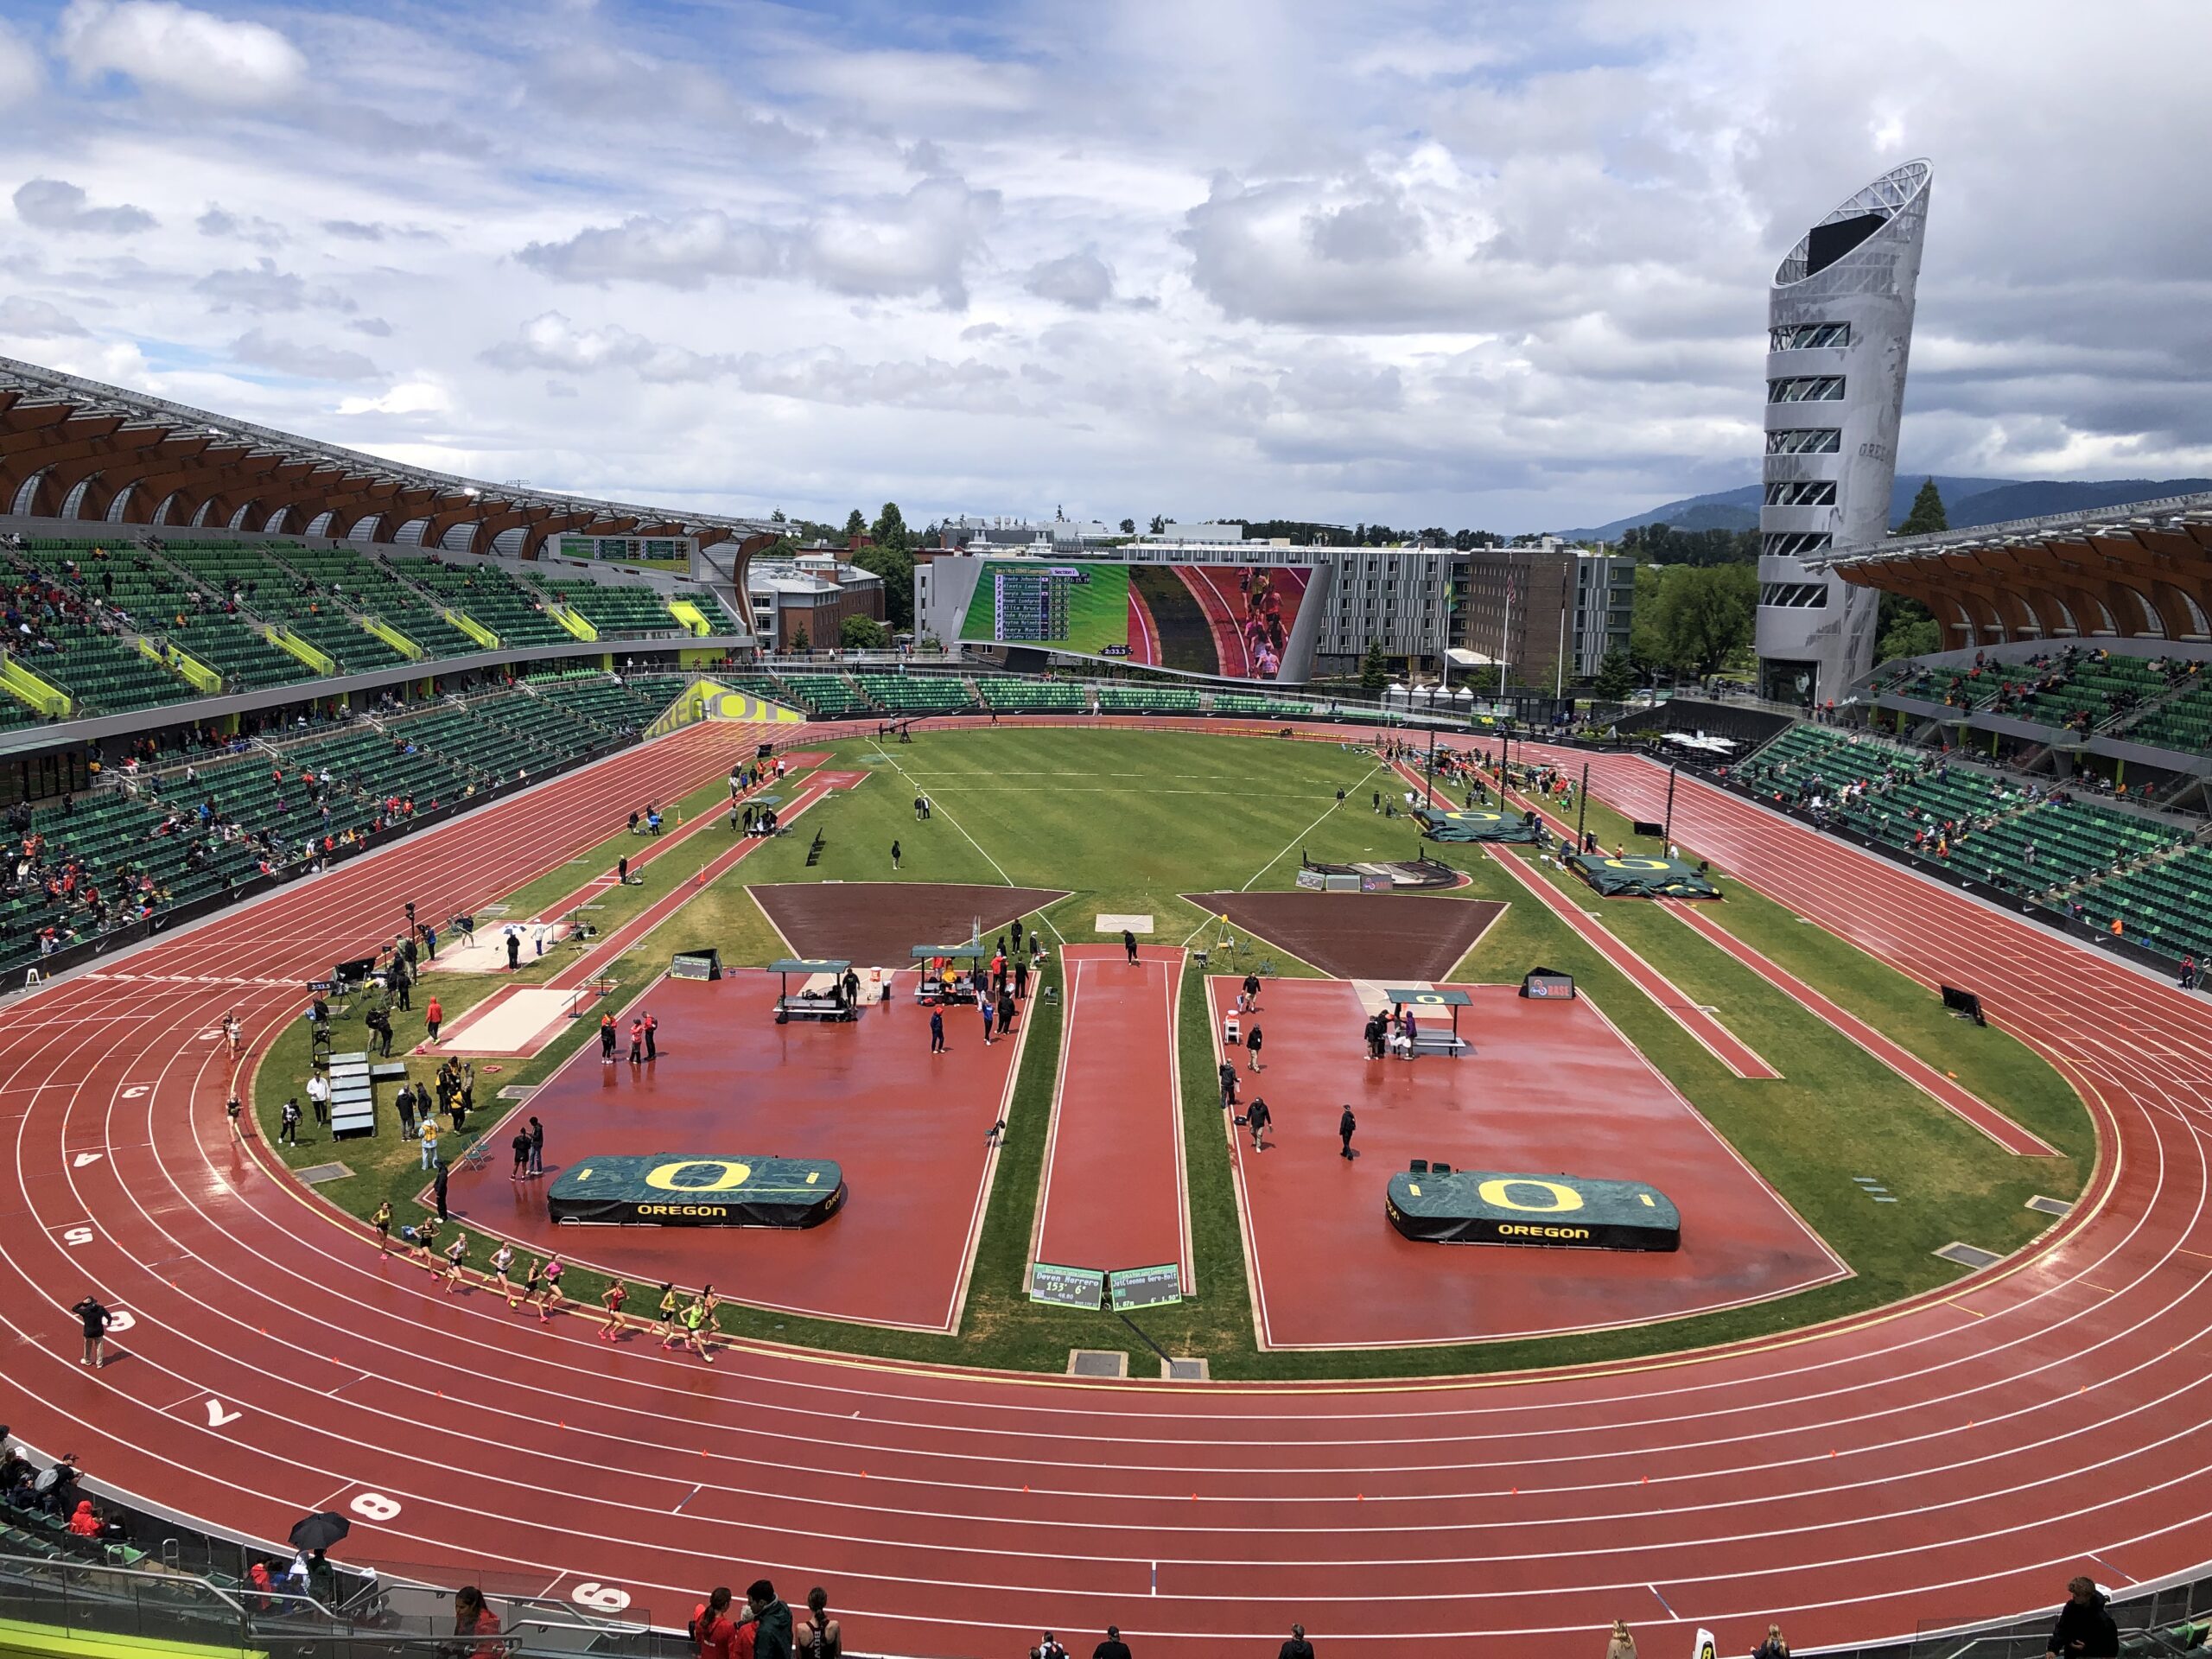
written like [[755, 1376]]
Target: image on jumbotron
[[866, 871]]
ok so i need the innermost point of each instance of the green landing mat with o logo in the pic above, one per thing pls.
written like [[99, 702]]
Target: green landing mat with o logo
[[1481, 1206], [1474, 824], [1640, 877], [683, 1189]]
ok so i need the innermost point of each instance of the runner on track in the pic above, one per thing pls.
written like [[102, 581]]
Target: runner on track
[[426, 1244], [668, 1310], [699, 1329], [612, 1298], [382, 1222], [533, 1277], [502, 1259], [554, 1298], [456, 1253]]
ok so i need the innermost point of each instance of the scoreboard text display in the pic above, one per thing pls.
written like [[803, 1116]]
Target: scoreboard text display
[[677, 1189], [1466, 1206]]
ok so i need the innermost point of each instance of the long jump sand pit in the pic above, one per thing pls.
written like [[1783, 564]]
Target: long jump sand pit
[[1395, 937], [1551, 1088], [876, 924]]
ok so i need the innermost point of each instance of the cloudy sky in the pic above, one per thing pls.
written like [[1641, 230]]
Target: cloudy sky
[[1492, 265]]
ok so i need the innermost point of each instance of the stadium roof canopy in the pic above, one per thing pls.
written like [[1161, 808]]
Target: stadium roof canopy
[[75, 448], [2142, 571]]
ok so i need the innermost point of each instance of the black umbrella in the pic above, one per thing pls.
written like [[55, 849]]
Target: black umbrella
[[315, 1532]]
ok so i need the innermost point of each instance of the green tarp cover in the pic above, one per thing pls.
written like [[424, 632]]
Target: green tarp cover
[[1636, 876], [808, 965], [683, 1189], [960, 952], [1474, 1207], [1474, 824]]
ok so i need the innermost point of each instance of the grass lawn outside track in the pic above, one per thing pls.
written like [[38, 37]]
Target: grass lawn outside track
[[1127, 821]]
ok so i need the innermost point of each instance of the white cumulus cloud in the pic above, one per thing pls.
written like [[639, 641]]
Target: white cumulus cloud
[[551, 341], [180, 49], [57, 205]]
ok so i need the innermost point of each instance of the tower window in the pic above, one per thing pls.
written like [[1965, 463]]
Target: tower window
[[1806, 388], [1819, 494], [1794, 544], [1805, 441], [1807, 336]]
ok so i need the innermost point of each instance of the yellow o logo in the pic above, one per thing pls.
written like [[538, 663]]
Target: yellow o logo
[[733, 1174], [1429, 996], [1636, 863], [1498, 1189]]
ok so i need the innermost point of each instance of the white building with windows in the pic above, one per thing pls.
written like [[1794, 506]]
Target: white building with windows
[[1840, 330]]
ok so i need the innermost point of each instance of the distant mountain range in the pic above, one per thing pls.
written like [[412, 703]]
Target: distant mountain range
[[1967, 502]]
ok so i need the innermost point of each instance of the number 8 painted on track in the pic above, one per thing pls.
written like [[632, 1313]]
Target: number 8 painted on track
[[374, 1506]]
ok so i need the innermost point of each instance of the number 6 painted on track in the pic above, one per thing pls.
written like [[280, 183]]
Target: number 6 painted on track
[[374, 1506], [603, 1597]]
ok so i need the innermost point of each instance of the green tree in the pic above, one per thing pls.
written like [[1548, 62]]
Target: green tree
[[1128, 526], [1927, 513], [891, 556], [801, 640], [1616, 676], [855, 526], [1914, 638], [1705, 615], [863, 634], [1159, 523], [777, 516], [1374, 672]]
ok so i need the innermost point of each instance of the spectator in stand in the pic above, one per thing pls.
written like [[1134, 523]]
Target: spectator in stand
[[1049, 1647], [1621, 1644], [2085, 1629], [1298, 1647], [1113, 1647], [1773, 1647]]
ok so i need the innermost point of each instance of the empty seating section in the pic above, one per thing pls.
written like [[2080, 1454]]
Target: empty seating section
[[1010, 695], [603, 700], [383, 591], [2071, 842], [546, 726], [195, 611], [917, 694], [489, 595], [717, 614], [1247, 702], [829, 697], [275, 592], [1148, 700], [2185, 722], [2169, 903], [634, 612]]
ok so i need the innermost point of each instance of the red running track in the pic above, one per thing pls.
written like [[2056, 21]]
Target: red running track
[[1959, 1455], [1113, 1193]]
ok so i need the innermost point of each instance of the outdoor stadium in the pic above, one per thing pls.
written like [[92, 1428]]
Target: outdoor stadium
[[586, 1076]]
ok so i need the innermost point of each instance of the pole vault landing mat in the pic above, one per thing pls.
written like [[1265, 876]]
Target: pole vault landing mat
[[1478, 823], [1397, 937], [1641, 878], [674, 1189], [1469, 1206], [878, 922], [1550, 1085]]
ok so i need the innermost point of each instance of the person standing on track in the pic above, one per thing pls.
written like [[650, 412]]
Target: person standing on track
[[937, 1031], [382, 1222], [536, 1147], [1346, 1125], [95, 1320], [1020, 972], [1252, 1046], [521, 1145], [983, 1001], [1228, 1074], [1251, 993], [1129, 945], [653, 1047], [637, 1042], [612, 1298], [607, 1039], [1256, 1119]]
